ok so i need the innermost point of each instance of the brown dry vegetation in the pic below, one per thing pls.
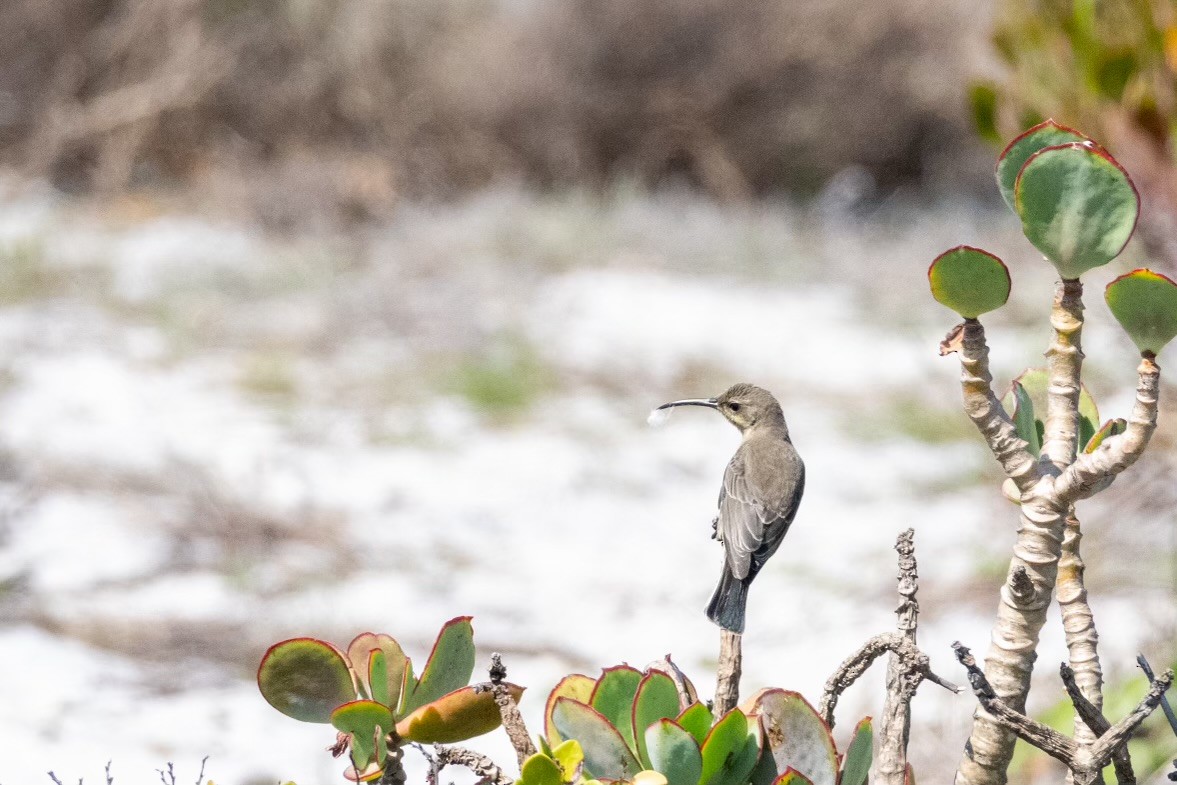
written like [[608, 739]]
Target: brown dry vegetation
[[365, 100]]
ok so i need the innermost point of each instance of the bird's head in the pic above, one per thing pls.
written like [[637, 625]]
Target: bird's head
[[744, 405]]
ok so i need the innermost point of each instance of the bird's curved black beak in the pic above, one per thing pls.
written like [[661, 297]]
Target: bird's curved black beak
[[710, 403]]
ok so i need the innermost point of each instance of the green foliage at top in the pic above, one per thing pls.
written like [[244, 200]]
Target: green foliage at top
[[1017, 152], [370, 693], [1077, 204], [969, 280], [1145, 304]]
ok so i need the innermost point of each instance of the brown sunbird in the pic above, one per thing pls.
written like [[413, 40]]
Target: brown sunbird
[[762, 488]]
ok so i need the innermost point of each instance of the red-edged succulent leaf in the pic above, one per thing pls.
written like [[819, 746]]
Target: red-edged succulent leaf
[[674, 752], [797, 737], [730, 750], [613, 698], [696, 718], [449, 666], [539, 769], [455, 716], [305, 678], [1145, 305], [656, 699], [1014, 156], [969, 280], [606, 754], [367, 723], [369, 774], [379, 662], [792, 777], [856, 763], [576, 686], [1077, 204]]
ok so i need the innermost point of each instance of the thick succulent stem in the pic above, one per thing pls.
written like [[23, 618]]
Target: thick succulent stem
[[1079, 627], [983, 407], [1021, 613], [1091, 472], [1064, 361], [727, 682]]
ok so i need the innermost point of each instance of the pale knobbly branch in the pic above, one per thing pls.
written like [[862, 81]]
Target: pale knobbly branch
[[1064, 361], [728, 672], [481, 765], [1096, 725], [512, 720], [1079, 630], [983, 407], [1091, 471]]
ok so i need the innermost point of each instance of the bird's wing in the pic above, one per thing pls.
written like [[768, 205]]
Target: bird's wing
[[742, 517]]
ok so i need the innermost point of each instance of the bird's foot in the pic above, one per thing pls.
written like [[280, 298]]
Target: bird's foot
[[715, 535]]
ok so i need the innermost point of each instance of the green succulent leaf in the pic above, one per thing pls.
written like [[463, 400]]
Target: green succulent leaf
[[455, 716], [306, 679], [1014, 156], [367, 722], [539, 769], [1145, 305], [1110, 428], [731, 750], [856, 764], [656, 699], [1077, 204], [449, 666], [697, 719], [606, 754], [570, 757], [576, 686], [674, 752], [797, 737], [613, 697], [380, 665], [369, 774], [1026, 403], [969, 281], [792, 777]]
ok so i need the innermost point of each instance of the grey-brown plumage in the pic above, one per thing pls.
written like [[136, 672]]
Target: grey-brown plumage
[[762, 488]]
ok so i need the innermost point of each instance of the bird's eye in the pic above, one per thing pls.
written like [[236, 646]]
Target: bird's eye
[[735, 407]]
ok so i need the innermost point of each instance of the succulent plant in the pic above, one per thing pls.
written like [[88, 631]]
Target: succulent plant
[[969, 281], [1077, 204], [633, 728], [1026, 400], [369, 692], [1145, 305]]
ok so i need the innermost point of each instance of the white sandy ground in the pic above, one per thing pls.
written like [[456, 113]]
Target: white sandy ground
[[575, 535]]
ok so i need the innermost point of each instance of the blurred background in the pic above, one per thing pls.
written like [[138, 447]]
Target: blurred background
[[327, 316]]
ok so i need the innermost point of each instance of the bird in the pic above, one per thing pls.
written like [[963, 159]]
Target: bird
[[762, 487]]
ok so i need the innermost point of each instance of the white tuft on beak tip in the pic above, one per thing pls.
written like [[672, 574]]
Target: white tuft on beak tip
[[658, 417]]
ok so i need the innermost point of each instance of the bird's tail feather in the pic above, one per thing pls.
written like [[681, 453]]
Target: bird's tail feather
[[728, 602]]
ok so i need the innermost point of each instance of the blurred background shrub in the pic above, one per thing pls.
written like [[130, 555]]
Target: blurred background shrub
[[364, 101]]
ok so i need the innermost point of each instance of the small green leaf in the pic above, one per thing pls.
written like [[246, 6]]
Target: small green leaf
[[1027, 400], [383, 675], [983, 106], [674, 752], [455, 716], [367, 722], [1110, 428], [606, 755], [1145, 305], [1014, 156], [1021, 409], [796, 737], [305, 679], [856, 764], [613, 698], [969, 281], [656, 699], [1077, 204], [570, 757], [576, 686], [731, 750], [698, 720], [449, 666], [540, 770]]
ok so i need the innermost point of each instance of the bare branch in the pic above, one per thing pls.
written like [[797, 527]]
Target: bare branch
[[1105, 745], [481, 765], [1165, 707], [983, 407], [728, 672], [1098, 725], [909, 608], [512, 720], [1041, 736], [1092, 471]]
